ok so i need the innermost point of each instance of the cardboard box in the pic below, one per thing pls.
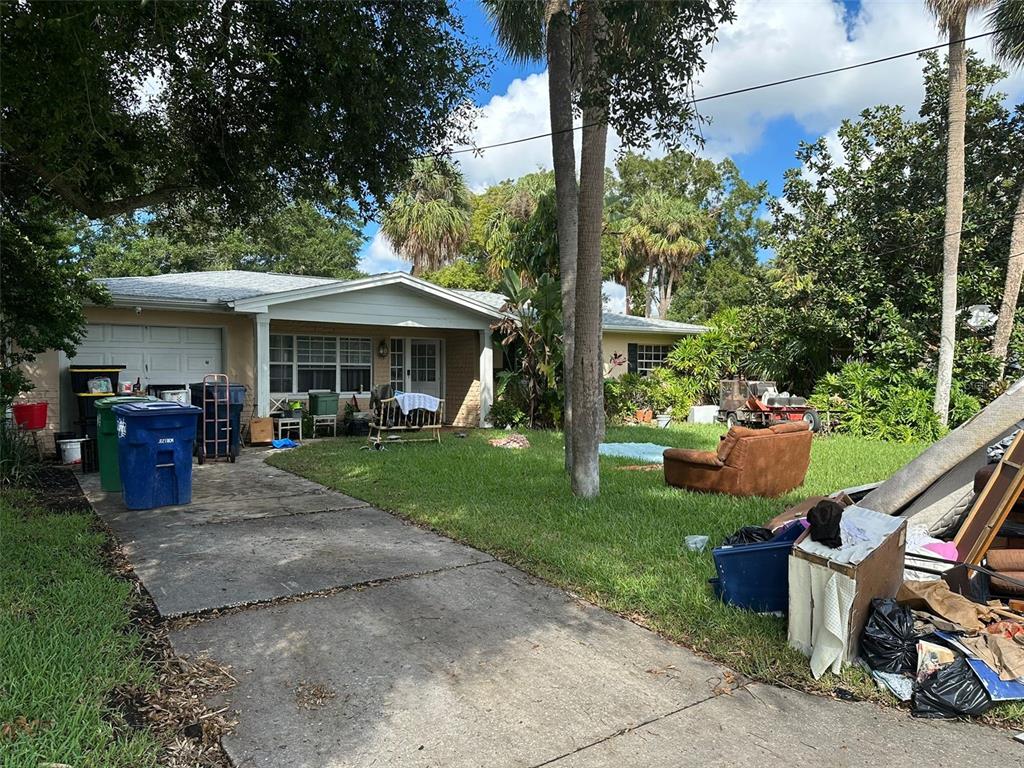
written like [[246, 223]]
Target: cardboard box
[[261, 431], [880, 574]]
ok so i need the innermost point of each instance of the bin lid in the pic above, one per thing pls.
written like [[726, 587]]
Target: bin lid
[[110, 402], [97, 368], [154, 408]]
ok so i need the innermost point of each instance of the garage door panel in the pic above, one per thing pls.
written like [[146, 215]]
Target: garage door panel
[[95, 334], [202, 336], [160, 334], [126, 333], [200, 364], [90, 358], [164, 362]]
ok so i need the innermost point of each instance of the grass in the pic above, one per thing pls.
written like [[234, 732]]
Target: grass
[[624, 550], [66, 643]]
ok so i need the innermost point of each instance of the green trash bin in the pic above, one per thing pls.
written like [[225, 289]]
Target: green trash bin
[[106, 439], [323, 403]]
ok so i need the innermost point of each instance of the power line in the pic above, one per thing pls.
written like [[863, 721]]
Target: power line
[[735, 92]]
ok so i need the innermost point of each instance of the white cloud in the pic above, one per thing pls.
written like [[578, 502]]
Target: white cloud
[[379, 257], [774, 41], [768, 41]]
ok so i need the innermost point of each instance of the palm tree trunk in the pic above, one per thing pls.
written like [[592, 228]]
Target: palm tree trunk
[[669, 290], [588, 381], [628, 285], [954, 211], [563, 154], [1011, 288], [650, 292]]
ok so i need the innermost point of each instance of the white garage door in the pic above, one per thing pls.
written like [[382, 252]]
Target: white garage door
[[155, 354]]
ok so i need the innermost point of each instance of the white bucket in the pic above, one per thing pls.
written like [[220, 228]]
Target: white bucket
[[180, 396], [663, 420], [71, 450]]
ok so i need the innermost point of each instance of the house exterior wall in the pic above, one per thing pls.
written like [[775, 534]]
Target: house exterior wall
[[617, 342], [461, 361]]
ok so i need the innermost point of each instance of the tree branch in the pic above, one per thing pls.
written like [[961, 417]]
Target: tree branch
[[102, 209]]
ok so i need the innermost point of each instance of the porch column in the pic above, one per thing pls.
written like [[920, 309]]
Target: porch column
[[486, 377], [263, 364]]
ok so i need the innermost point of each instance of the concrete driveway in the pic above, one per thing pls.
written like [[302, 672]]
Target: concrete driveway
[[424, 652]]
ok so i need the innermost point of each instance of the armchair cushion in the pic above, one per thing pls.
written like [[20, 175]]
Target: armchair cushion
[[687, 456]]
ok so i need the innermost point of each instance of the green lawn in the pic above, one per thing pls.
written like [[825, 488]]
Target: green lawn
[[623, 551], [65, 643]]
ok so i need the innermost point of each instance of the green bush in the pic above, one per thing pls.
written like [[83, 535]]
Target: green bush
[[723, 352], [506, 413], [887, 404], [19, 461]]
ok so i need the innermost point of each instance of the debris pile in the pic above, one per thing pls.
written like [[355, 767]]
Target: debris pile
[[920, 579]]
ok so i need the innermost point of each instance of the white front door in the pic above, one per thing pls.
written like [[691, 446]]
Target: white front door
[[423, 366]]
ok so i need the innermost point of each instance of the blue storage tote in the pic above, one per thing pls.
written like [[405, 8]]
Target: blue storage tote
[[154, 452], [756, 576]]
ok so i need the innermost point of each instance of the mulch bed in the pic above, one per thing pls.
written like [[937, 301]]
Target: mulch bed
[[174, 709]]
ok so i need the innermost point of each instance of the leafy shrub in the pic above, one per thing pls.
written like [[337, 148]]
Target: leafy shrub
[[661, 390], [505, 413], [887, 404], [723, 352], [19, 460]]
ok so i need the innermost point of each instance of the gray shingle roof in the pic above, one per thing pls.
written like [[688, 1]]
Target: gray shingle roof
[[231, 285], [611, 321], [218, 287]]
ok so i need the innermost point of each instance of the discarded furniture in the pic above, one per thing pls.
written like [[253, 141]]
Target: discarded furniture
[[287, 424], [993, 505], [323, 407], [830, 599], [398, 418], [748, 462]]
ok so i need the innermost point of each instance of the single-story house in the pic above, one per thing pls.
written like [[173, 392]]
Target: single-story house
[[283, 335]]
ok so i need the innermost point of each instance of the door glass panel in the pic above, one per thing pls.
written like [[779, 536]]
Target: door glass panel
[[423, 367]]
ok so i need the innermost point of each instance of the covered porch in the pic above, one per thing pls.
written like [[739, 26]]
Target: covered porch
[[391, 329]]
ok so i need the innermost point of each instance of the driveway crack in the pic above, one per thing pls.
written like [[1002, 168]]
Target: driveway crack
[[623, 732]]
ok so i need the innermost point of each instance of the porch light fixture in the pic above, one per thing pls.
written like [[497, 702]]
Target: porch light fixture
[[382, 349]]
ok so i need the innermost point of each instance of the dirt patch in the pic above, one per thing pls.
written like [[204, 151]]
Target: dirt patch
[[57, 490], [313, 695]]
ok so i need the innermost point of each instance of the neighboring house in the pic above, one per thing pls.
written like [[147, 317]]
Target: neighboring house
[[283, 335]]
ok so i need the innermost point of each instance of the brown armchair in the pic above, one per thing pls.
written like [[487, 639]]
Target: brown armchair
[[748, 462]]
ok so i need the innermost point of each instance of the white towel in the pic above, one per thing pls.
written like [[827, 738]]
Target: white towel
[[413, 401]]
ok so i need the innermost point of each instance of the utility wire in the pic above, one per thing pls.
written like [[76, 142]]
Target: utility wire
[[735, 92]]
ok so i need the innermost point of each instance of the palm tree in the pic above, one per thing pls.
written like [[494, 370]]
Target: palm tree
[[668, 233], [530, 30], [427, 222], [1007, 20], [952, 18]]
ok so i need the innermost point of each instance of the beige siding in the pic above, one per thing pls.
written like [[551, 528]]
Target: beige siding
[[618, 342]]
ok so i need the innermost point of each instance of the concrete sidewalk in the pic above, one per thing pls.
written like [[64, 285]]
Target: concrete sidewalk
[[424, 652]]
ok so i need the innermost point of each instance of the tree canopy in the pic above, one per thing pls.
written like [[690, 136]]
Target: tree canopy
[[859, 237], [114, 106]]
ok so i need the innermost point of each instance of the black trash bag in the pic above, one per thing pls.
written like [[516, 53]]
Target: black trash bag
[[888, 642], [952, 691], [824, 520], [749, 534]]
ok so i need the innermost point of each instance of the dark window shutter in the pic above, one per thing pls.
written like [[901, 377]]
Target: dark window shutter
[[631, 356]]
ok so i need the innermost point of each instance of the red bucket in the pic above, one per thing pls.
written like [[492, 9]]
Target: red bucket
[[30, 415]]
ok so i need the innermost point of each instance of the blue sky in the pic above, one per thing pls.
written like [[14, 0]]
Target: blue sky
[[769, 40]]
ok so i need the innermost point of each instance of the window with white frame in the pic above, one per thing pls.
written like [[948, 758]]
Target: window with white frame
[[282, 363], [650, 356], [301, 363]]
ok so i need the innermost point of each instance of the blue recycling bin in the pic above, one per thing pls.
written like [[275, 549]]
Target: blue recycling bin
[[154, 452], [756, 576], [211, 440]]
